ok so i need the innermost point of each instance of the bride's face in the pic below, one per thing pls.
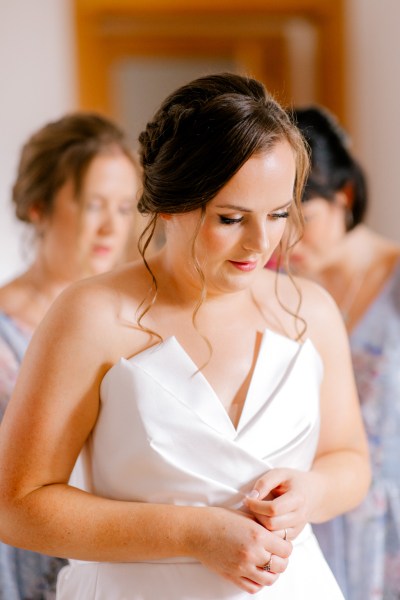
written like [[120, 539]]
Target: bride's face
[[241, 226]]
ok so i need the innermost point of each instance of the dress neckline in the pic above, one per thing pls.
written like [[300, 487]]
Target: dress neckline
[[167, 356]]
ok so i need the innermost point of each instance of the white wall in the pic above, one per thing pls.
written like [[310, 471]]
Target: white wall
[[37, 85], [373, 96], [141, 84]]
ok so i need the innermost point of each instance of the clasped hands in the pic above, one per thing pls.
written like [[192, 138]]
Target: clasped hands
[[248, 547], [278, 501]]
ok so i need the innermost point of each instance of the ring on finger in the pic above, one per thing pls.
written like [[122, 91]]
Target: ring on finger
[[267, 566], [285, 535]]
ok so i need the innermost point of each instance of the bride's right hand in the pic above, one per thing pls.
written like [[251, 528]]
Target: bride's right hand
[[235, 546]]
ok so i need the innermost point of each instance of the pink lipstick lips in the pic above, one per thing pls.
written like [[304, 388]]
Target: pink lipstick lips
[[244, 265]]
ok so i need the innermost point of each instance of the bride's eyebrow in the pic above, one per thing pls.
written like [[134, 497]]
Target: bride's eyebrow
[[284, 206], [247, 210], [234, 207]]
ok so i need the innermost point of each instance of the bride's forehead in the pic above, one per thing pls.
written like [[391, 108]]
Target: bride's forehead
[[261, 176]]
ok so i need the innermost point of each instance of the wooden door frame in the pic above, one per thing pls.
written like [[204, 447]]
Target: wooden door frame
[[171, 27]]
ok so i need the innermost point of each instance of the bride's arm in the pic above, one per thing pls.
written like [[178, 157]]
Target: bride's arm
[[340, 474], [51, 414]]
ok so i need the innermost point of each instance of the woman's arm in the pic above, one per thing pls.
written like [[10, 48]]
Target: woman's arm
[[341, 469], [52, 412], [340, 474]]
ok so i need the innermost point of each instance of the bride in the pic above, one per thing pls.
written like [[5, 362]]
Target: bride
[[212, 407]]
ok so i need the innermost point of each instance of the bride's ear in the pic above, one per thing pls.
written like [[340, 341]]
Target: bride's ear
[[165, 216], [345, 198]]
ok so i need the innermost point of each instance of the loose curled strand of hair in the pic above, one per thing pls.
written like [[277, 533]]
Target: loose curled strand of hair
[[143, 243], [285, 247], [293, 236], [203, 291], [298, 319]]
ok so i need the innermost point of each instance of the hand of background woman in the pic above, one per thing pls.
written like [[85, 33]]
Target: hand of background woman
[[281, 501], [235, 546]]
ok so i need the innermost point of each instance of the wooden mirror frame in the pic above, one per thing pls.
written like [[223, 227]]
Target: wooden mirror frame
[[250, 31]]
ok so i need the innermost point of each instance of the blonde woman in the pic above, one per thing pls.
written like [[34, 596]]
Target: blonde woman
[[76, 188]]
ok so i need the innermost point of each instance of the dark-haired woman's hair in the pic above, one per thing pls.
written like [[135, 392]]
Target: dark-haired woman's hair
[[333, 167], [201, 136], [58, 151]]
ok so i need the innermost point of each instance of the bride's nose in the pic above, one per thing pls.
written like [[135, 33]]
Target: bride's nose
[[256, 237]]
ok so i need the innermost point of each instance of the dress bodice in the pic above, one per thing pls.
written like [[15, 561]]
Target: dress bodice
[[163, 435]]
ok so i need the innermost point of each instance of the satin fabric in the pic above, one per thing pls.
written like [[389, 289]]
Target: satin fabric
[[163, 436]]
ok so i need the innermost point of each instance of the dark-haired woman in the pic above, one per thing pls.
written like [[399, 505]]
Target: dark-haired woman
[[212, 423], [75, 187], [361, 270]]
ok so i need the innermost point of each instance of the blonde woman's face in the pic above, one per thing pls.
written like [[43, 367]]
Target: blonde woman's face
[[88, 236]]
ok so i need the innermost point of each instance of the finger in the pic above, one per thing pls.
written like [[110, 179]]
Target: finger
[[292, 530], [266, 578], [283, 533], [254, 581], [248, 585], [286, 533], [278, 546], [275, 564], [287, 503], [277, 525], [268, 482], [262, 577], [244, 583]]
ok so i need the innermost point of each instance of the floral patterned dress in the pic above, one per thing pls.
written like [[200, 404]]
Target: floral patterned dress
[[24, 575], [363, 546]]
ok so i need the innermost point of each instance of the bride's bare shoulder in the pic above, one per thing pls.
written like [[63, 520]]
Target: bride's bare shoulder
[[298, 292], [127, 280], [102, 303], [299, 300]]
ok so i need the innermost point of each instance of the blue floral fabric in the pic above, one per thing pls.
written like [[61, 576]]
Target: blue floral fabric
[[363, 546], [24, 575]]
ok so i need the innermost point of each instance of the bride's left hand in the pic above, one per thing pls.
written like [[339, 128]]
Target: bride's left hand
[[281, 500]]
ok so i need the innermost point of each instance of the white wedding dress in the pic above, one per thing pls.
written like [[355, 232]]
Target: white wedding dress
[[163, 436]]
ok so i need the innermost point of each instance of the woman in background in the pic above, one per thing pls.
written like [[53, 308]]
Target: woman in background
[[361, 270], [76, 187]]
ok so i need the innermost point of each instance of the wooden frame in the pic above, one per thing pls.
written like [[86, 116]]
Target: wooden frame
[[250, 31]]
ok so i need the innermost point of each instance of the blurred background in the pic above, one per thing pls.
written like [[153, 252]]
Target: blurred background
[[121, 57]]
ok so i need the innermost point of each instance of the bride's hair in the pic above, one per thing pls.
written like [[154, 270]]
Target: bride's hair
[[200, 137]]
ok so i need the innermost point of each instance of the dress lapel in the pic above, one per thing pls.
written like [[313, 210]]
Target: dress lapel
[[171, 364], [278, 360], [275, 360]]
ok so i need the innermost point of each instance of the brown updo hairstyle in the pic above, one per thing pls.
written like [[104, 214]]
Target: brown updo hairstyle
[[201, 136], [58, 151]]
